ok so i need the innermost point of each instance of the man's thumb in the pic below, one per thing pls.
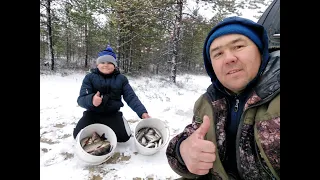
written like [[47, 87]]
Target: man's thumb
[[204, 127], [98, 94]]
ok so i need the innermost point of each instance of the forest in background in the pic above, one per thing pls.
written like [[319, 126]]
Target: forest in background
[[148, 36]]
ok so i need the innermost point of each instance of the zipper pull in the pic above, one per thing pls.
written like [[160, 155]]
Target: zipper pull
[[236, 107], [87, 91]]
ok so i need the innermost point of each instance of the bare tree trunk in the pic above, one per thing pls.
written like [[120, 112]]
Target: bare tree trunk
[[130, 55], [50, 46], [67, 49], [126, 56], [123, 54], [191, 51], [86, 44], [42, 47], [68, 40], [68, 45], [127, 52], [157, 69], [176, 38], [118, 46], [122, 50]]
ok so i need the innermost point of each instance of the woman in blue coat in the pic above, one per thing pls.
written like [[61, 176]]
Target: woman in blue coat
[[100, 94]]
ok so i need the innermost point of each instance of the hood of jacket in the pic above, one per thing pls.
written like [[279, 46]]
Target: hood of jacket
[[257, 28]]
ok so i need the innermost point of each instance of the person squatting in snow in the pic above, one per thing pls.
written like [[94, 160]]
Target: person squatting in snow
[[100, 94]]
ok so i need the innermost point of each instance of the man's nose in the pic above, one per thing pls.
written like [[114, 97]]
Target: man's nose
[[230, 57]]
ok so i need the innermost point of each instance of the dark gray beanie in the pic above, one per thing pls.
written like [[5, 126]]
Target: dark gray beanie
[[107, 58]]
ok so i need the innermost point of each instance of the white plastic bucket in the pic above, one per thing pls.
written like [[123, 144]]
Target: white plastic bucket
[[153, 123], [88, 131]]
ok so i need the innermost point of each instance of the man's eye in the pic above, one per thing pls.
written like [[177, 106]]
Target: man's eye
[[239, 46], [217, 55]]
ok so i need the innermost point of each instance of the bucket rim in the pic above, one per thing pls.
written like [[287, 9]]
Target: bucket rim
[[82, 151], [165, 127]]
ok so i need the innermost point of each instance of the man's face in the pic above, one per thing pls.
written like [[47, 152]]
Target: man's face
[[106, 67], [235, 60]]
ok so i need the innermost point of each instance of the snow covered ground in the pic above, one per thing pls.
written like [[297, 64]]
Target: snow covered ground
[[59, 113]]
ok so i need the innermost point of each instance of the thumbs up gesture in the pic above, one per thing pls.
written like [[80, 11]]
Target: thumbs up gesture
[[198, 154], [96, 100]]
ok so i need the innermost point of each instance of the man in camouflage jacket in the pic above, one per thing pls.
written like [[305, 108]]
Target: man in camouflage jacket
[[235, 130]]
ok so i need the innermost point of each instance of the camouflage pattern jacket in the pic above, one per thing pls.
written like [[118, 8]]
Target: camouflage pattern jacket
[[258, 137]]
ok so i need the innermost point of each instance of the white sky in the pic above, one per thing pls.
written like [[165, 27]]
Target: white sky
[[58, 105], [206, 10]]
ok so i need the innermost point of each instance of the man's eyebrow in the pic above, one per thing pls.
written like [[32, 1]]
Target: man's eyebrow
[[232, 42]]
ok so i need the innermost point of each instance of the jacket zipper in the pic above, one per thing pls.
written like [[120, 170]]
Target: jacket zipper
[[240, 125], [236, 106]]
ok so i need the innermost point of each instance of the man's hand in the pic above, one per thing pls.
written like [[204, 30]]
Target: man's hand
[[198, 154], [96, 100], [145, 115]]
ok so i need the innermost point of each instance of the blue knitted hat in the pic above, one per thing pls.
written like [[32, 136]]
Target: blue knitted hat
[[107, 51], [235, 29], [107, 55]]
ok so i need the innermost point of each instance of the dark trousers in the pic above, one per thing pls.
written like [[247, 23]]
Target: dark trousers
[[114, 121]]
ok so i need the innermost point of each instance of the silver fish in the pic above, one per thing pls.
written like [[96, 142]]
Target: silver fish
[[143, 140], [157, 136], [149, 145], [144, 129], [103, 137], [96, 144], [105, 148], [160, 141], [91, 147], [139, 135], [154, 140], [94, 138], [150, 131], [150, 137], [84, 141], [157, 132]]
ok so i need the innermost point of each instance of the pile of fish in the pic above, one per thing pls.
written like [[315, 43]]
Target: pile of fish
[[149, 137], [96, 145]]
